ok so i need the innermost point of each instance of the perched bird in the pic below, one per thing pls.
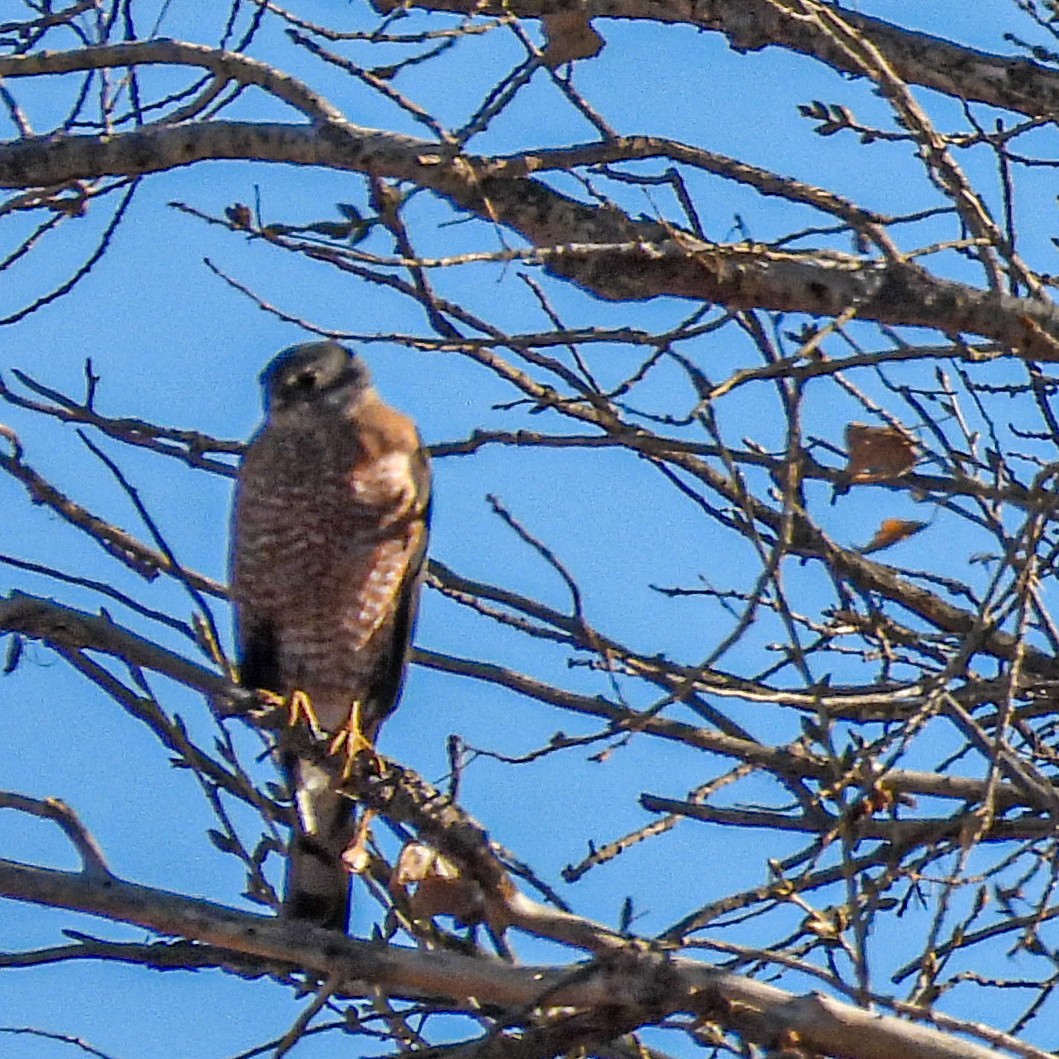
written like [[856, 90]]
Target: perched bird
[[329, 533]]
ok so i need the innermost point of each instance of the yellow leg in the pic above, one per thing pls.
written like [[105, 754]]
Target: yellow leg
[[298, 706], [351, 740], [301, 708]]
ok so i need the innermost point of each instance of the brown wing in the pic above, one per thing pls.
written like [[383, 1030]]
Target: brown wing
[[388, 678], [256, 551], [390, 478]]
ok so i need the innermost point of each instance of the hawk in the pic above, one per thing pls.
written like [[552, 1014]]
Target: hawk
[[329, 532]]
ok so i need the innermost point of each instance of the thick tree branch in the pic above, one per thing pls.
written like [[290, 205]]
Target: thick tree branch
[[750, 25], [600, 248], [638, 982]]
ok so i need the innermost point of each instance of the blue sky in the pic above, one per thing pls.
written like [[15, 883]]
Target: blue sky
[[172, 344]]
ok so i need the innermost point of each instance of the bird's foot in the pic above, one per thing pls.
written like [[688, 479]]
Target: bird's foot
[[300, 708], [351, 741]]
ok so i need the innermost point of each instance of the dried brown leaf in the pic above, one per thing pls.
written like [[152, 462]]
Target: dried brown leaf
[[570, 36], [459, 898], [239, 214], [877, 454], [440, 889]]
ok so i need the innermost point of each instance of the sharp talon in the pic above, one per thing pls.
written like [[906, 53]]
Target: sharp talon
[[351, 740], [301, 708], [338, 742], [269, 701]]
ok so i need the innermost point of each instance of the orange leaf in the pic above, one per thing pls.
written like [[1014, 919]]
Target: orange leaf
[[570, 36], [890, 532], [877, 454]]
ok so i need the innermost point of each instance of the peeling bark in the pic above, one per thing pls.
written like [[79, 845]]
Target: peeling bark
[[1019, 85], [598, 247], [636, 985]]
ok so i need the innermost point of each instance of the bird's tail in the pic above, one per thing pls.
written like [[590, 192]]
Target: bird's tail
[[317, 884]]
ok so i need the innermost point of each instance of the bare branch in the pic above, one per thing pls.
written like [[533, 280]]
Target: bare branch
[[637, 981], [93, 862]]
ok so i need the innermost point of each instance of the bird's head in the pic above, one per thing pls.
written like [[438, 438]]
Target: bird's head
[[314, 375]]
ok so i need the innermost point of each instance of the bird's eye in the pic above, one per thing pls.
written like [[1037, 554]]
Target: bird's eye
[[304, 382]]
